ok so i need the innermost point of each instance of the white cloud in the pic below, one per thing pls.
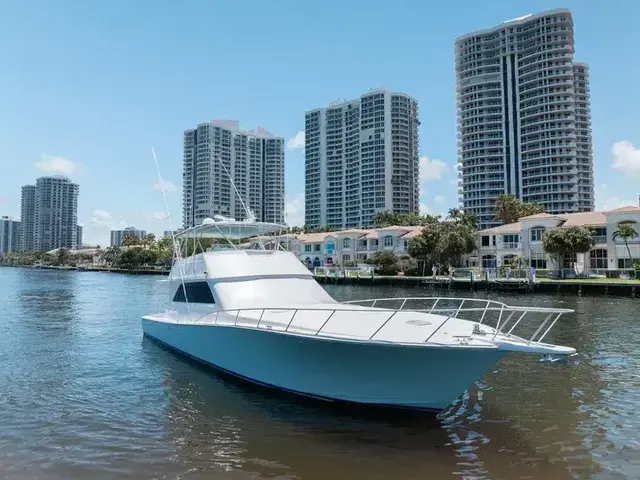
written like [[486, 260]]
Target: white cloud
[[432, 169], [102, 218], [626, 157], [439, 199], [296, 142], [54, 164], [424, 209], [157, 216], [168, 186], [612, 203], [294, 210]]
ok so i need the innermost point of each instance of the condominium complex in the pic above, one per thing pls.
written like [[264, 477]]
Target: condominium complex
[[219, 150], [118, 236], [524, 117], [10, 230], [79, 236], [361, 158], [50, 214], [28, 217]]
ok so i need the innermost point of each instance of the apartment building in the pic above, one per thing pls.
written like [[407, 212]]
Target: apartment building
[[361, 157], [524, 117], [79, 237], [118, 236], [10, 231], [49, 211], [499, 245], [219, 150], [345, 247], [28, 217]]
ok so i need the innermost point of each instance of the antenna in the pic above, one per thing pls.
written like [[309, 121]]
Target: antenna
[[250, 215], [176, 251]]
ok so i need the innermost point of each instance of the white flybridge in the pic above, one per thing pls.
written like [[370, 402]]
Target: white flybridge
[[260, 315]]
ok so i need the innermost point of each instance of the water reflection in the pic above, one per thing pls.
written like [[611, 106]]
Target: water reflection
[[83, 395]]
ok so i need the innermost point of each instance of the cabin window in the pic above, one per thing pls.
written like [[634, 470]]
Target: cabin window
[[197, 292]]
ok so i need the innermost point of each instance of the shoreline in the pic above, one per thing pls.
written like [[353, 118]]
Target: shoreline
[[579, 287], [619, 288]]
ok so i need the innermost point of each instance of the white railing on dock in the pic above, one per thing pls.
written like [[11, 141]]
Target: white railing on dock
[[499, 318]]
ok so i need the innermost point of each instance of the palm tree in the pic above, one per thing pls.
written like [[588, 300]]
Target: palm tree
[[625, 231], [454, 214], [130, 241]]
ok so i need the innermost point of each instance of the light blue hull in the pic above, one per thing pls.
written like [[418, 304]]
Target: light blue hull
[[375, 374]]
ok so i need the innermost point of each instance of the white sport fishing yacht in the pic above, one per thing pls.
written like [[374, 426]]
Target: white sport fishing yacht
[[260, 315]]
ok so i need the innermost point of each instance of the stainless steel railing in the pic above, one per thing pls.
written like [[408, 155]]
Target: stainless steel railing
[[504, 322]]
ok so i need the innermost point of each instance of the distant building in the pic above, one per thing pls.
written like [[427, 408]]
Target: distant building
[[28, 217], [217, 150], [79, 237], [49, 214], [10, 230], [361, 157], [524, 117], [118, 236]]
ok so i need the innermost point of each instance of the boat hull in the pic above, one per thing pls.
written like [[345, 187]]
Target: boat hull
[[374, 374]]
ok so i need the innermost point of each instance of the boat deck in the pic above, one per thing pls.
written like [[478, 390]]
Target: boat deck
[[439, 327]]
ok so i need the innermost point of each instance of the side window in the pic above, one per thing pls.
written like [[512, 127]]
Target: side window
[[197, 292]]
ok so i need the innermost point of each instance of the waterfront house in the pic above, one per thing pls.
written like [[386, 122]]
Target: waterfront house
[[499, 245]]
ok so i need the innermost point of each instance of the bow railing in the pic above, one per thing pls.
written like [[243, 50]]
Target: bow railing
[[349, 320]]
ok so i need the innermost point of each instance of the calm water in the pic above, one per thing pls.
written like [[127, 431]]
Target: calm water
[[83, 395]]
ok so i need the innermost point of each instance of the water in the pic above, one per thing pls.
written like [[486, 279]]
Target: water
[[83, 395]]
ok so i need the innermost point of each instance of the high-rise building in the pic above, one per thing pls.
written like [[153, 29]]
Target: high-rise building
[[10, 230], [28, 218], [524, 117], [55, 217], [361, 157], [79, 236], [118, 236], [254, 159]]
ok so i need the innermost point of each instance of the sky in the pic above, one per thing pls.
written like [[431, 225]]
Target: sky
[[88, 88]]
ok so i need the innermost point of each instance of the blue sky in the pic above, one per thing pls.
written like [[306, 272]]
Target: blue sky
[[86, 88]]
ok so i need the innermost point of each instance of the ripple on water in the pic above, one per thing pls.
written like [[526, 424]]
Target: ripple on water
[[82, 395]]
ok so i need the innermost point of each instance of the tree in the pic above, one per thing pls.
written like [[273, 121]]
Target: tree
[[625, 231], [443, 242], [509, 209], [111, 255], [424, 247], [560, 241], [131, 241], [149, 241], [458, 215], [62, 256], [386, 263], [390, 219]]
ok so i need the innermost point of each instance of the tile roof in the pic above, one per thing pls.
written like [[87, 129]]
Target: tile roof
[[584, 219], [628, 208], [540, 215], [315, 237], [414, 232], [508, 228]]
